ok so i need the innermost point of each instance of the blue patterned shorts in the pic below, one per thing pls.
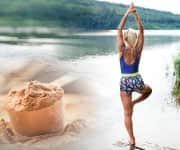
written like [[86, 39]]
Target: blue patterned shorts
[[131, 84]]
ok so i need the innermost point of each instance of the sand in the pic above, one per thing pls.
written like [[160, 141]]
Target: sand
[[33, 96]]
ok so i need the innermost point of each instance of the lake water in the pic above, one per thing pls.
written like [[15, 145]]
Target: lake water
[[93, 56]]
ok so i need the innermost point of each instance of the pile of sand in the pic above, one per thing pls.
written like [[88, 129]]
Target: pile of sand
[[33, 96]]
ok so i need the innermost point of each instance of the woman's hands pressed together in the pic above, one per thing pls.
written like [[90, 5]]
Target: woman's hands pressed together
[[131, 9]]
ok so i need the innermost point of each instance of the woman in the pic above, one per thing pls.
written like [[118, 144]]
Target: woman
[[130, 46]]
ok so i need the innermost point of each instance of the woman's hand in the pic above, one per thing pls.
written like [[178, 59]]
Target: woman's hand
[[131, 9]]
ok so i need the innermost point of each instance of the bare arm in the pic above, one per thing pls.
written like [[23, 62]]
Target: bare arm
[[140, 40], [120, 42]]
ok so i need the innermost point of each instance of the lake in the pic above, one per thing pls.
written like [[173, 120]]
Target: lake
[[93, 57]]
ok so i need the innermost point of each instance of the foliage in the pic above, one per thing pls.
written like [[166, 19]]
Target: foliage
[[176, 89]]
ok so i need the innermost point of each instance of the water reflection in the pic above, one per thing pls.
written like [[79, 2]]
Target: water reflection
[[72, 46]]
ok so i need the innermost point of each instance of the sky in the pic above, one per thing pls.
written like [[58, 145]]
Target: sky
[[164, 5]]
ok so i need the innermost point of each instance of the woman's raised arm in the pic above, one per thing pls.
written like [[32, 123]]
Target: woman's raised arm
[[121, 25], [140, 40]]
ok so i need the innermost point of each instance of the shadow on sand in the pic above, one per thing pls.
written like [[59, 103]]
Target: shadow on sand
[[133, 147], [122, 145]]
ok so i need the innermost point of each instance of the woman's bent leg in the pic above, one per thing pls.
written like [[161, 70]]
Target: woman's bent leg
[[145, 93]]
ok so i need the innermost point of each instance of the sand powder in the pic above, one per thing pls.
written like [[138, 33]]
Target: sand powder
[[33, 96]]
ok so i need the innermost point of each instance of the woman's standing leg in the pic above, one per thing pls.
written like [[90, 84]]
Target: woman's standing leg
[[128, 111]]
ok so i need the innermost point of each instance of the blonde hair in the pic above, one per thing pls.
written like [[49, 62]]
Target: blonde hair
[[130, 37]]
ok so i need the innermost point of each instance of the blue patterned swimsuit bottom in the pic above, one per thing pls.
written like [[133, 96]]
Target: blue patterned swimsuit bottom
[[130, 84]]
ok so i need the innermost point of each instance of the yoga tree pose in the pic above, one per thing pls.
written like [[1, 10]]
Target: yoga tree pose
[[130, 46]]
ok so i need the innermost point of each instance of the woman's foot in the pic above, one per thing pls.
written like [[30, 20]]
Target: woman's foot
[[132, 141]]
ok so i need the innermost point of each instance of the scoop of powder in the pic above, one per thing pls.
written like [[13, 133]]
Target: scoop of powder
[[34, 96]]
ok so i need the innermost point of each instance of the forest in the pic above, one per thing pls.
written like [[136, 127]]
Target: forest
[[83, 14]]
